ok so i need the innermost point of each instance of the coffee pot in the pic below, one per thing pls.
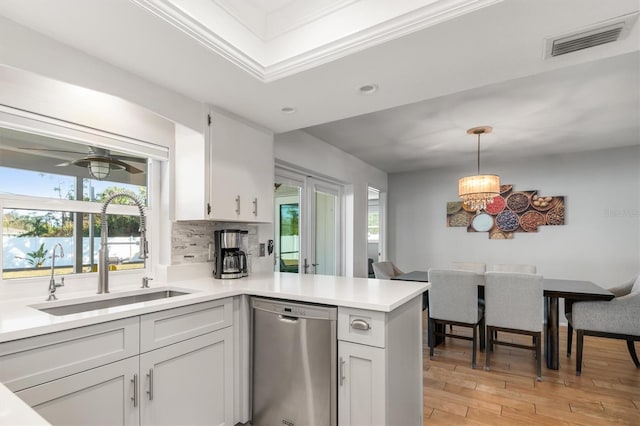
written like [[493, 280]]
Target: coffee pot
[[229, 260]]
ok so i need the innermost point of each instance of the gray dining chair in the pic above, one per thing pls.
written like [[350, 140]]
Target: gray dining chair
[[385, 270], [514, 303], [453, 300], [513, 267], [618, 318], [618, 291], [478, 268]]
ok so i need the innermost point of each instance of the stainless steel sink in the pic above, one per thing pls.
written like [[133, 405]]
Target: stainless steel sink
[[92, 305]]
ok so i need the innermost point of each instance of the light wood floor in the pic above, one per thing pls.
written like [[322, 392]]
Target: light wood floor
[[608, 392]]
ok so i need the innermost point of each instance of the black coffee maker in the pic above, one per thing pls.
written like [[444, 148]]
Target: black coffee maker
[[229, 260]]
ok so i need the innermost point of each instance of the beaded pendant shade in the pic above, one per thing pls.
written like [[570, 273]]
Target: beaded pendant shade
[[479, 190]]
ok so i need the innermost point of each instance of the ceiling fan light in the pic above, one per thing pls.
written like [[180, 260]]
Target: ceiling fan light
[[99, 169]]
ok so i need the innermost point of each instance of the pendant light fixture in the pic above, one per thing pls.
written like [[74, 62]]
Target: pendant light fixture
[[479, 190]]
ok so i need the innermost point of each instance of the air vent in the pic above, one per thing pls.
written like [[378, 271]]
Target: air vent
[[566, 45], [595, 35]]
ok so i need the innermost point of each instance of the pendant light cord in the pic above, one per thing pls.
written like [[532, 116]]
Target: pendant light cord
[[479, 153]]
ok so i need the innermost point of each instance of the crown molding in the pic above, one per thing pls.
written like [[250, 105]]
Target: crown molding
[[396, 27]]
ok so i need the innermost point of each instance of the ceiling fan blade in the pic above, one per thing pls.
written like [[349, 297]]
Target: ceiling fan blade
[[114, 163], [127, 167], [127, 158]]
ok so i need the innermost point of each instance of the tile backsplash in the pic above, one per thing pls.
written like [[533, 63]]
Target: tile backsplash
[[192, 241]]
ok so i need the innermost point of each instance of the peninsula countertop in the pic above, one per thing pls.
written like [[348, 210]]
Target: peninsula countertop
[[19, 317]]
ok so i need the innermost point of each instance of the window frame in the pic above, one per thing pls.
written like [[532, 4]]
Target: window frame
[[27, 122]]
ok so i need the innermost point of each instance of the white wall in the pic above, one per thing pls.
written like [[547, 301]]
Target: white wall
[[600, 241], [316, 156], [31, 51]]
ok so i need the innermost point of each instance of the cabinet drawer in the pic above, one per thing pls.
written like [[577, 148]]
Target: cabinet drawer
[[31, 361], [362, 326], [175, 325]]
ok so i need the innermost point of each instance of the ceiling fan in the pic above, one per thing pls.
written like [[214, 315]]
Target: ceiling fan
[[99, 161]]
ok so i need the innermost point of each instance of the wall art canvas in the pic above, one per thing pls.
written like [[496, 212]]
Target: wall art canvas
[[511, 211]]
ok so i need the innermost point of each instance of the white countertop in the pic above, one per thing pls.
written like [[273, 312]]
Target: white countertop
[[18, 319]]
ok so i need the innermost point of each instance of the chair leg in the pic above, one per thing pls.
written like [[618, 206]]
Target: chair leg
[[474, 346], [483, 332], [432, 338], [489, 337], [538, 340], [632, 351], [579, 342], [569, 339]]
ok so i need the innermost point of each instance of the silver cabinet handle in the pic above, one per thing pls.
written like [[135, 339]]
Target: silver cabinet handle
[[238, 204], [342, 376], [255, 207], [360, 324], [150, 391], [134, 398]]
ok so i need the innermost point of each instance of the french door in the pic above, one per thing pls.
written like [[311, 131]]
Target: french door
[[307, 224]]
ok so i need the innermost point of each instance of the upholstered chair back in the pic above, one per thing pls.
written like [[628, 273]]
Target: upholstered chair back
[[478, 268], [385, 270], [514, 300], [512, 267], [453, 295]]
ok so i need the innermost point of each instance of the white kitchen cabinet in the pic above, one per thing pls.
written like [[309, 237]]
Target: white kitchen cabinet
[[361, 384], [380, 366], [241, 171], [228, 176], [189, 383], [100, 396], [170, 367]]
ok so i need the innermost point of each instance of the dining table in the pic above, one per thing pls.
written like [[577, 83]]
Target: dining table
[[554, 289]]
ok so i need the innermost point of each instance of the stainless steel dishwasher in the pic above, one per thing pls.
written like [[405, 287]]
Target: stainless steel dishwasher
[[294, 364]]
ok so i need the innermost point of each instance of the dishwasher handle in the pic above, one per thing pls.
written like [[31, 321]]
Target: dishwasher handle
[[288, 319]]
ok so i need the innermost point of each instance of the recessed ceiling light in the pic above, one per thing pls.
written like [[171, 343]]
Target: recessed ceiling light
[[288, 110], [368, 89]]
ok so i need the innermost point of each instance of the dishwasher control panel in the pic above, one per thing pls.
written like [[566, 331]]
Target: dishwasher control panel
[[290, 309]]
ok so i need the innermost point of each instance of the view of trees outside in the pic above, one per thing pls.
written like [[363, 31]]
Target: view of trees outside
[[29, 235], [373, 226], [289, 237]]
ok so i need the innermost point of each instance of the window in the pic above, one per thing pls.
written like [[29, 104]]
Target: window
[[52, 191], [373, 216]]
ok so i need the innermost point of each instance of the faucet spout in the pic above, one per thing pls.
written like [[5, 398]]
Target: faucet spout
[[52, 281], [103, 260]]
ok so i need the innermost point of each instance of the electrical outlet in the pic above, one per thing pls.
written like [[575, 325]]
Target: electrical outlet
[[262, 247]]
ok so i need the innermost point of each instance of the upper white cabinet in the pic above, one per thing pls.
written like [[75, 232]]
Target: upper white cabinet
[[228, 176]]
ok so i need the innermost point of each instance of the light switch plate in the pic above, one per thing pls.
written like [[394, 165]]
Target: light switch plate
[[261, 254]]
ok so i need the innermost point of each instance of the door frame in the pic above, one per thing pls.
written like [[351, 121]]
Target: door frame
[[306, 181]]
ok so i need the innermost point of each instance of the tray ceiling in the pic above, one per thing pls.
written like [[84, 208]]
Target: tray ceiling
[[275, 39]]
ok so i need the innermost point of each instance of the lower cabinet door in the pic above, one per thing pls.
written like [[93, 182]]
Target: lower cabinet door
[[99, 396], [189, 383], [361, 385]]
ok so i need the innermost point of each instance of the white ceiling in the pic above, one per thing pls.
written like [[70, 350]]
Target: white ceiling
[[482, 66]]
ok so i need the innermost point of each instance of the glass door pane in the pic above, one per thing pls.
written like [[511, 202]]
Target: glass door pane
[[287, 227], [373, 229], [325, 247]]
